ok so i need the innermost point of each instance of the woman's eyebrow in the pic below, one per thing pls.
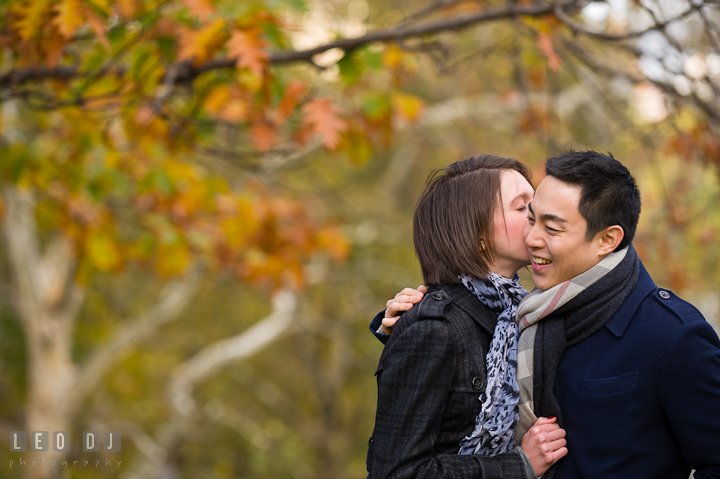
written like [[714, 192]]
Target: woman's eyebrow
[[521, 196]]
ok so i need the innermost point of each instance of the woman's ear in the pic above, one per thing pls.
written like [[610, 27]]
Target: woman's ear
[[610, 238]]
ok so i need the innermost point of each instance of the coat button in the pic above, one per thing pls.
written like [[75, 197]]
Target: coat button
[[438, 296], [477, 382], [664, 294]]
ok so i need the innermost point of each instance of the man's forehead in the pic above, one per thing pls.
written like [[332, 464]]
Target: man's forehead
[[556, 197]]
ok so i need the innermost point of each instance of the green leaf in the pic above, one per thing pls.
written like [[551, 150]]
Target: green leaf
[[372, 58], [376, 105], [16, 159], [351, 67]]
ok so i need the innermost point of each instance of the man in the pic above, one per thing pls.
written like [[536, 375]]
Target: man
[[631, 371]]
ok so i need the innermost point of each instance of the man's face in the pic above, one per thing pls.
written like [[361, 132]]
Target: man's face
[[556, 235]]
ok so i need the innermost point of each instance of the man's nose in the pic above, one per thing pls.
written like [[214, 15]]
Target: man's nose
[[532, 240]]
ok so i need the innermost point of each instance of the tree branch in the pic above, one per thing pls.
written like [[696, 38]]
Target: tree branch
[[173, 299], [578, 27], [200, 367], [215, 356], [24, 251], [186, 72]]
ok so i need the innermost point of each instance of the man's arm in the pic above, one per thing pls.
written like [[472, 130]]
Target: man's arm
[[383, 323], [690, 395], [375, 327]]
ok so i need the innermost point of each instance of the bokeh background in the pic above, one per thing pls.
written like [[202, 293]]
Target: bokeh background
[[204, 202]]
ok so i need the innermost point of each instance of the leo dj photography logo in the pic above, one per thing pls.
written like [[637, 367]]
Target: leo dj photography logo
[[40, 441]]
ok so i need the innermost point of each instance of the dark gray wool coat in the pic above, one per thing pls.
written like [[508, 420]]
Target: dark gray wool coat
[[430, 376]]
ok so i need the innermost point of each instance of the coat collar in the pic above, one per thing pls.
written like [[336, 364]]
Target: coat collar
[[466, 301], [622, 317]]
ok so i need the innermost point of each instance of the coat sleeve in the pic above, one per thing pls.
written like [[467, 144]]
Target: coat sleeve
[[414, 379], [375, 325], [690, 395]]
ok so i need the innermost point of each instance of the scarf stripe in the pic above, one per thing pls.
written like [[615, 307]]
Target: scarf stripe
[[540, 303]]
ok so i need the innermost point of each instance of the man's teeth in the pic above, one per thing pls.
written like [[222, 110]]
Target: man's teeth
[[541, 261]]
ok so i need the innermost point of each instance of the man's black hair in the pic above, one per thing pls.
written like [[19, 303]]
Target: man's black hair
[[609, 195]]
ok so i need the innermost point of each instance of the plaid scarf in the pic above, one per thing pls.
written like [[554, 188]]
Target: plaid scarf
[[495, 424], [574, 311]]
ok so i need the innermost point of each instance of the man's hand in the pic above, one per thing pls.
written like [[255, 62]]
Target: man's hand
[[544, 444], [402, 302]]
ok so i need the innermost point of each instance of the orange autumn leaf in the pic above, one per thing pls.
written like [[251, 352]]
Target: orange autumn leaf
[[322, 119], [248, 47], [98, 27], [293, 94], [69, 17], [544, 42], [54, 50], [263, 135], [127, 8], [200, 45], [203, 9]]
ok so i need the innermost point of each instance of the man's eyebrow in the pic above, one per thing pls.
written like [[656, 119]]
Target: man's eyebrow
[[548, 216]]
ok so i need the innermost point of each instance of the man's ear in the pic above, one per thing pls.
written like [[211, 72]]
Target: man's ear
[[610, 238]]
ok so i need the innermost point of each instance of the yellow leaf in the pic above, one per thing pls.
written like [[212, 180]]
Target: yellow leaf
[[392, 56], [102, 5], [217, 99], [102, 251], [172, 259], [33, 15], [224, 103], [69, 17], [200, 45], [409, 107]]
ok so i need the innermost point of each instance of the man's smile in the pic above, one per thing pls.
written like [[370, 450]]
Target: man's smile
[[540, 261]]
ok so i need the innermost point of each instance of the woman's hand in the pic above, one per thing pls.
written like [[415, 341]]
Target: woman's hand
[[402, 302], [544, 444]]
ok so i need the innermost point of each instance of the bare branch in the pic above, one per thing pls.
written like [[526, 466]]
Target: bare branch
[[173, 299], [215, 356], [578, 27]]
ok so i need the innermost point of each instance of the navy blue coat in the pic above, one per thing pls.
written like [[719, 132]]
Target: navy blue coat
[[641, 397]]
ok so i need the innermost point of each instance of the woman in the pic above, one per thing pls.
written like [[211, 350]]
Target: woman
[[447, 394]]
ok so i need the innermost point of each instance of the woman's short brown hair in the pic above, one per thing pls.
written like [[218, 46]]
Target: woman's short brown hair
[[454, 214]]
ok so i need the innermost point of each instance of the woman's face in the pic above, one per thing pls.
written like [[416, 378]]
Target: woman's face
[[510, 219]]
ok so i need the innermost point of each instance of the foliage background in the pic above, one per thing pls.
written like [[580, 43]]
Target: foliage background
[[175, 147]]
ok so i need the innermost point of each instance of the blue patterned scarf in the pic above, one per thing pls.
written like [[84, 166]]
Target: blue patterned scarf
[[495, 425]]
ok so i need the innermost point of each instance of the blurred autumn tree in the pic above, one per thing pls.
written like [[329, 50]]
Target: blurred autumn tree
[[151, 150]]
